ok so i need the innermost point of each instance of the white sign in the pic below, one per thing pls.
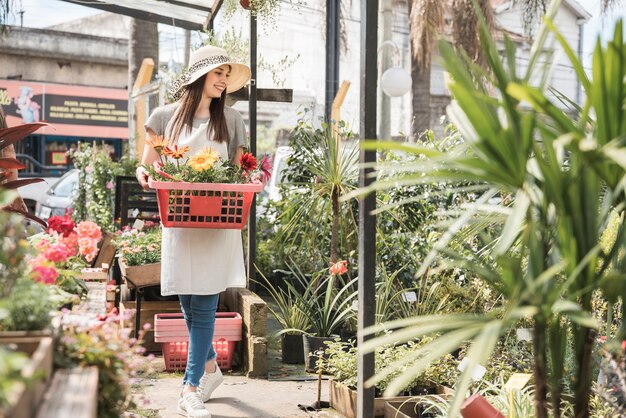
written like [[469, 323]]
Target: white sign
[[409, 297], [478, 372]]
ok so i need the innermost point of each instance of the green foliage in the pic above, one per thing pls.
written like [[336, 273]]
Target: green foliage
[[11, 365], [322, 170], [138, 247], [28, 308], [96, 183], [221, 172], [341, 361], [117, 357], [289, 311], [549, 184], [14, 249]]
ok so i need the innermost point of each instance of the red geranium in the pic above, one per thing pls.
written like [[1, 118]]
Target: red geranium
[[64, 225], [248, 162]]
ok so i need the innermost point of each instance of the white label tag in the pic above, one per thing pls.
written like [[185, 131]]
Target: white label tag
[[134, 213], [524, 334], [138, 224], [478, 372], [355, 305], [409, 297]]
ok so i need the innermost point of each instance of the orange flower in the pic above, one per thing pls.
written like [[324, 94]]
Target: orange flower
[[158, 142], [175, 152], [338, 268]]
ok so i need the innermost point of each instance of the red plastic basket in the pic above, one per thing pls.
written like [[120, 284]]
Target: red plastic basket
[[204, 205]]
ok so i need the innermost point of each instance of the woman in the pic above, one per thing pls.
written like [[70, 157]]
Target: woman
[[198, 264]]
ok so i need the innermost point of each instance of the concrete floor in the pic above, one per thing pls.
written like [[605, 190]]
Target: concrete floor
[[241, 397], [278, 396]]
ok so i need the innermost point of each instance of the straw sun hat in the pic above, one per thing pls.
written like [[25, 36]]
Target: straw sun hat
[[205, 59]]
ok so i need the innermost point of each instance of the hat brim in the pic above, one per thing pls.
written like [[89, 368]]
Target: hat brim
[[238, 77]]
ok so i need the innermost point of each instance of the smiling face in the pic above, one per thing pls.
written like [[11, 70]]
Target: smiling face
[[215, 82]]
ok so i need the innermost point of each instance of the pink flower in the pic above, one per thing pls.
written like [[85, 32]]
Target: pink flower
[[89, 229], [109, 185], [266, 166], [339, 268], [88, 248], [71, 244], [56, 253], [89, 169], [45, 274], [43, 245], [257, 177]]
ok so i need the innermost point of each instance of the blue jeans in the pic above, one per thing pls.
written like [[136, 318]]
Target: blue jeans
[[199, 312]]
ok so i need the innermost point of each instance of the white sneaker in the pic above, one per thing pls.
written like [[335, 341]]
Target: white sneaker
[[190, 405], [209, 382]]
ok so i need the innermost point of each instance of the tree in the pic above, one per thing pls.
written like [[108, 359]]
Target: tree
[[427, 22], [143, 42]]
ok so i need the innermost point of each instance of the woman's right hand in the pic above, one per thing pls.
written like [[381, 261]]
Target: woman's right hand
[[142, 177]]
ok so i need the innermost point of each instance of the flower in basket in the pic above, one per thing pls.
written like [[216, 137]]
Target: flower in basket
[[204, 167]]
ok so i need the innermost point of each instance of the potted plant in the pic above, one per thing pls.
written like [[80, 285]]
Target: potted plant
[[140, 255], [327, 306], [292, 317], [341, 361]]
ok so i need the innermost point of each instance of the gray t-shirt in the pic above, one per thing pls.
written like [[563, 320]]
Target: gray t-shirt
[[237, 136]]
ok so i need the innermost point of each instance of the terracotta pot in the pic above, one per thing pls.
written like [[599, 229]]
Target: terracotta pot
[[477, 407], [245, 4]]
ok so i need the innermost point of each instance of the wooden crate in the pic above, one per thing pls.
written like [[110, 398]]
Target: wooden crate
[[23, 400], [60, 399]]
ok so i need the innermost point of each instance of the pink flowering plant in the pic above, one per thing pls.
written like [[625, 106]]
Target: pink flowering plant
[[64, 246], [118, 357], [139, 247], [206, 166]]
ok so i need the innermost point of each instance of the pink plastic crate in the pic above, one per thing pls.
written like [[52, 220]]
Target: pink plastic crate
[[171, 330], [175, 354]]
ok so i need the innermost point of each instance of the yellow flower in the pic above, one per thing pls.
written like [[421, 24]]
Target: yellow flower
[[204, 160], [157, 142]]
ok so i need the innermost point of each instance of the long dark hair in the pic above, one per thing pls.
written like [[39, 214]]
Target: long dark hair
[[188, 105]]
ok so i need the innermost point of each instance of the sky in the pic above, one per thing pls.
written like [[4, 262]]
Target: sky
[[42, 13]]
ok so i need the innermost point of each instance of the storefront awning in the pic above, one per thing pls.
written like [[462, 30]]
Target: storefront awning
[[187, 14]]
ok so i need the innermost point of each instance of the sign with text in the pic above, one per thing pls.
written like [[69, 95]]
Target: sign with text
[[91, 112]]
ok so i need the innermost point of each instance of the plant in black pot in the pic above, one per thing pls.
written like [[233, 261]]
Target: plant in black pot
[[288, 309], [327, 303]]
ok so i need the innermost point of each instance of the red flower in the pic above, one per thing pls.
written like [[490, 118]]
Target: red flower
[[248, 162], [64, 225], [266, 166], [339, 268]]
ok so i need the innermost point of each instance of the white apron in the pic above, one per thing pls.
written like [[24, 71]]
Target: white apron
[[199, 261]]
